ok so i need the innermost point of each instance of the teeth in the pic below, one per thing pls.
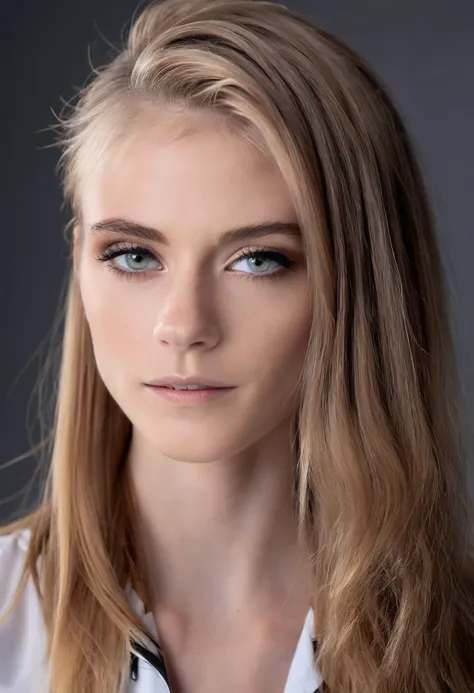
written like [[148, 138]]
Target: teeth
[[189, 387]]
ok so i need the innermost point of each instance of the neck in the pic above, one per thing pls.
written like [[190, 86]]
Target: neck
[[220, 538]]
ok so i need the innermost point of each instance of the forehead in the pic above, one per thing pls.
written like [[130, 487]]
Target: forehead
[[183, 172]]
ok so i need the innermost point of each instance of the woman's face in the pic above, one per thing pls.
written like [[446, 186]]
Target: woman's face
[[186, 302]]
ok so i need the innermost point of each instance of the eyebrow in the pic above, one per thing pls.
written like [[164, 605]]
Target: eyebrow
[[241, 233]]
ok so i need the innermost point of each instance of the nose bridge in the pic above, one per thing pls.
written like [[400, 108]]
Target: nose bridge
[[186, 313]]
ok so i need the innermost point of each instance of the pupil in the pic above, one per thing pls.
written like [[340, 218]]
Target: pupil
[[259, 262], [136, 257]]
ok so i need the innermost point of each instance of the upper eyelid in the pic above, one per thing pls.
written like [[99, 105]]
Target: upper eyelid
[[127, 247]]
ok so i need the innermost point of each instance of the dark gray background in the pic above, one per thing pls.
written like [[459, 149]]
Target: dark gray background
[[424, 51]]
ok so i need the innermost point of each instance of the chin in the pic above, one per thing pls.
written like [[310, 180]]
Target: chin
[[190, 442]]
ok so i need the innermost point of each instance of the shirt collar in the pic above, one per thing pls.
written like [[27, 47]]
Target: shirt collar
[[302, 676]]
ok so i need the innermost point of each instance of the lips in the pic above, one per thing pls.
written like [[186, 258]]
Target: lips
[[183, 396], [176, 380], [189, 387]]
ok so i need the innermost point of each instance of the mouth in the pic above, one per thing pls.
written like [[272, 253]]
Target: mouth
[[190, 387], [189, 394]]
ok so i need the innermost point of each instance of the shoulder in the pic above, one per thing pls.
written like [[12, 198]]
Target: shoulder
[[22, 636]]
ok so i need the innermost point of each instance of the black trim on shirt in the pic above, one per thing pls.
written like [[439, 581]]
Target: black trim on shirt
[[157, 662]]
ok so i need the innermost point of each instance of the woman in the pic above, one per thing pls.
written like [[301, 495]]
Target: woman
[[298, 519]]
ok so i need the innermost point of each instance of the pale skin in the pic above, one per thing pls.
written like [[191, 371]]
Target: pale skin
[[229, 583]]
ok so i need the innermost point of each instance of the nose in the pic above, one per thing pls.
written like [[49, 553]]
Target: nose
[[187, 316]]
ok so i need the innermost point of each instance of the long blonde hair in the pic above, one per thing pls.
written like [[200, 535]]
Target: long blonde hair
[[381, 479]]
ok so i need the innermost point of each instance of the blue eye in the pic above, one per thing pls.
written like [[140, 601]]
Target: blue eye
[[260, 259], [138, 257], [137, 261], [133, 254]]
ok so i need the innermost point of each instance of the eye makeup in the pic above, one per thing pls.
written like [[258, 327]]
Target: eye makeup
[[252, 254]]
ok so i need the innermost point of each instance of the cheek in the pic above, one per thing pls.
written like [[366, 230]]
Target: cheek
[[277, 340], [116, 329]]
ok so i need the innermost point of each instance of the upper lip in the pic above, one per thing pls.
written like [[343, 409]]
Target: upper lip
[[186, 380]]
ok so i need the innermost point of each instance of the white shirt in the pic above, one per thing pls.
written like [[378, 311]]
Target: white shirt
[[23, 668]]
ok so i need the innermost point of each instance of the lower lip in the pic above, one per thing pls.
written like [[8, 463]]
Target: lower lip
[[189, 396]]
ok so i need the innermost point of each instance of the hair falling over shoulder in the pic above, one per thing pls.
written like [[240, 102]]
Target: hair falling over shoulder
[[381, 485]]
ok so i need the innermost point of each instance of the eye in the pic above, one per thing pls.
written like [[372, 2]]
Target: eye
[[262, 261], [136, 259]]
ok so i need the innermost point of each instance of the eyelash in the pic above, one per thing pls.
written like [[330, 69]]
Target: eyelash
[[127, 249]]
